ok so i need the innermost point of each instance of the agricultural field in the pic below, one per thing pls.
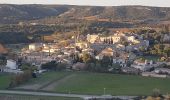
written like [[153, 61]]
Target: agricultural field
[[27, 97], [4, 80], [98, 83], [45, 79]]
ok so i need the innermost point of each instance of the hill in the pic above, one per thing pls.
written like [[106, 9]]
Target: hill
[[16, 13]]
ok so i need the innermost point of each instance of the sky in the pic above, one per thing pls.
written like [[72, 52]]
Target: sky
[[159, 3]]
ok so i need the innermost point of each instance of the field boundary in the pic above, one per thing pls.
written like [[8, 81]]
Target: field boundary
[[51, 82], [55, 83]]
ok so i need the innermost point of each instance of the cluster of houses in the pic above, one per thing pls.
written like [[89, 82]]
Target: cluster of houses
[[97, 46], [134, 41], [41, 53], [148, 68]]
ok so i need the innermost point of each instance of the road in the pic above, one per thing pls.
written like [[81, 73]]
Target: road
[[14, 92]]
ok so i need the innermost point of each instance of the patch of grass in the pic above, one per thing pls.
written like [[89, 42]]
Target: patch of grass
[[43, 80], [27, 97], [94, 83], [47, 77], [4, 81]]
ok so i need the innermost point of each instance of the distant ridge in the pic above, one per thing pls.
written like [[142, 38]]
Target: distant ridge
[[14, 13]]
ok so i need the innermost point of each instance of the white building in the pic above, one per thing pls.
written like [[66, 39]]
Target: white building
[[81, 45], [106, 52], [15, 71], [11, 64], [92, 38], [132, 39], [143, 65], [11, 67], [48, 50], [162, 70], [35, 46]]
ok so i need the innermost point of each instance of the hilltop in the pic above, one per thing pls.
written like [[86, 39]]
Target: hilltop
[[17, 13]]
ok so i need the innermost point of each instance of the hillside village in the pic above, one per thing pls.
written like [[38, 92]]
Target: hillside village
[[71, 52], [119, 52]]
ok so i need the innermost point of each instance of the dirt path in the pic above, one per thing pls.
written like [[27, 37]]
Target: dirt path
[[51, 86]]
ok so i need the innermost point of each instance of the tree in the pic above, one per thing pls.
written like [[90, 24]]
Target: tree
[[61, 66], [50, 65], [53, 65], [165, 29], [104, 40], [125, 43], [167, 52], [142, 49], [3, 60], [20, 78], [111, 41], [27, 66], [86, 57], [91, 67], [156, 93], [106, 61], [76, 58]]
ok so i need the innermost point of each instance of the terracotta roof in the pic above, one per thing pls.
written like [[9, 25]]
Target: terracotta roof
[[2, 49], [140, 61], [108, 50]]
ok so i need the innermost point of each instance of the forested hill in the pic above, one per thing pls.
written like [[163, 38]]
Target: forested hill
[[16, 13]]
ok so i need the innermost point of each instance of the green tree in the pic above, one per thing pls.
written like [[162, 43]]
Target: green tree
[[20, 78], [156, 93], [86, 57], [27, 66], [53, 65], [106, 61], [50, 65], [61, 66], [167, 52]]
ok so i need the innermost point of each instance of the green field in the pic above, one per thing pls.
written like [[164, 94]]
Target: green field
[[92, 83], [43, 80], [48, 77], [26, 97], [4, 81]]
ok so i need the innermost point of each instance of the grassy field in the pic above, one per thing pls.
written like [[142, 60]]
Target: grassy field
[[90, 83], [94, 83], [43, 80], [4, 81], [26, 97], [48, 77]]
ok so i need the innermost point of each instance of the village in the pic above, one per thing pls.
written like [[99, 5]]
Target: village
[[84, 50], [121, 52]]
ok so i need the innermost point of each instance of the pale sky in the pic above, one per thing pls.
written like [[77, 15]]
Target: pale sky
[[160, 3]]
